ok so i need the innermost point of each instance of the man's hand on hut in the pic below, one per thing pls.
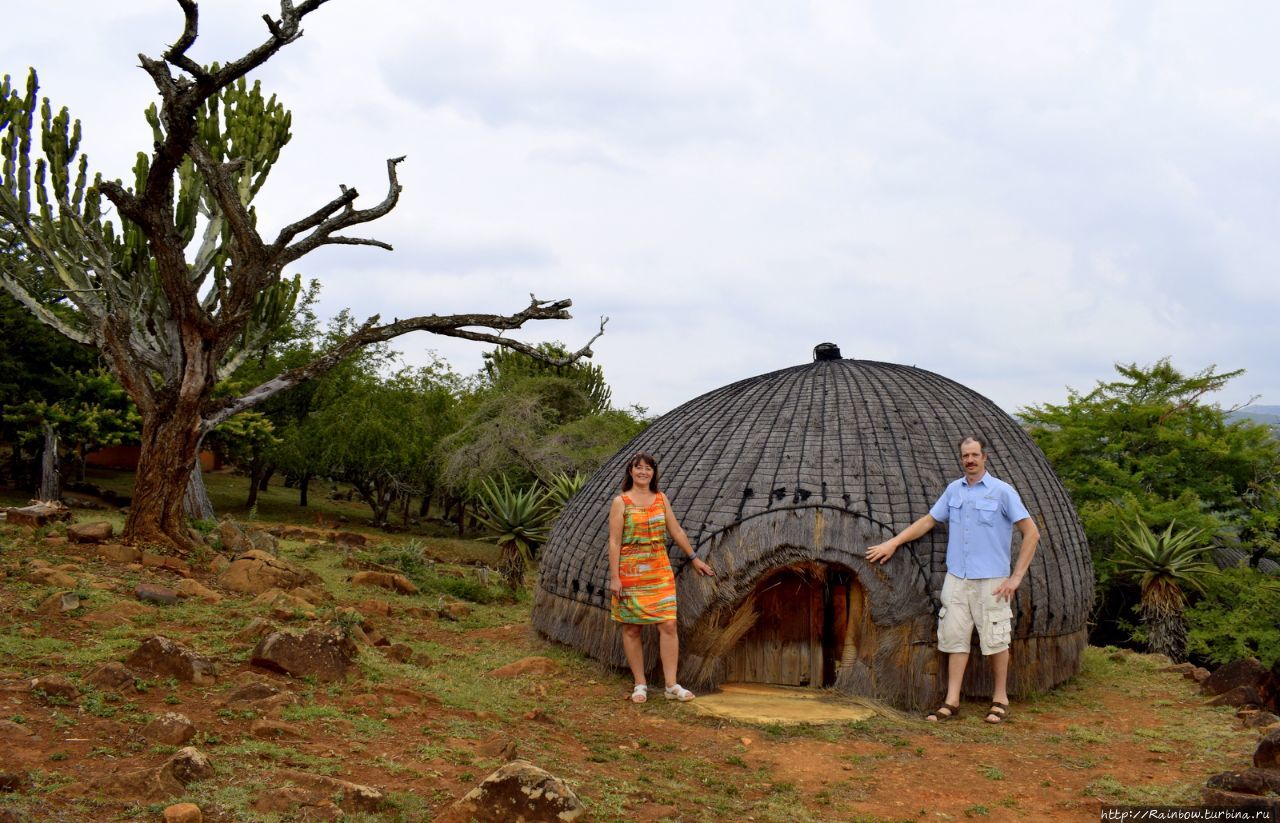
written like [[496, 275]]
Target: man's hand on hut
[[881, 552], [702, 567]]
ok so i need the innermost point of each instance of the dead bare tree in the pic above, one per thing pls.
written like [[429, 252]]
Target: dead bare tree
[[187, 286]]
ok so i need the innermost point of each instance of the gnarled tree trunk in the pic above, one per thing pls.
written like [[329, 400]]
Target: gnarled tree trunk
[[170, 440]]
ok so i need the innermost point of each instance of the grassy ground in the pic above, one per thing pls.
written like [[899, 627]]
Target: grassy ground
[[426, 731]]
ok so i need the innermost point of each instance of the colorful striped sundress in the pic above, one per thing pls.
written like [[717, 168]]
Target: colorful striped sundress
[[648, 586]]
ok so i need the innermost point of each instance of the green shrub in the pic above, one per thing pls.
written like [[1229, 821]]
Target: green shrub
[[1236, 618]]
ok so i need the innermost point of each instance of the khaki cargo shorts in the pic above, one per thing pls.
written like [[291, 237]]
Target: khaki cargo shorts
[[967, 604]]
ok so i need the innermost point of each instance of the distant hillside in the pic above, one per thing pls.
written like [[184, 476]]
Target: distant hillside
[[1266, 415]]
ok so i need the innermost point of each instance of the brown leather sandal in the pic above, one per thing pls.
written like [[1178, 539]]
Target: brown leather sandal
[[999, 711], [952, 712]]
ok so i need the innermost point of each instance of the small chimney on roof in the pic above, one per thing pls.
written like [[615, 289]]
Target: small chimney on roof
[[826, 351]]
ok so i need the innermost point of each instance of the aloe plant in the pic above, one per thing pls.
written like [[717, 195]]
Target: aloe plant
[[519, 518], [1166, 567], [562, 488]]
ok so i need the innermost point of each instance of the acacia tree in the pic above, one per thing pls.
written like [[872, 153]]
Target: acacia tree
[[171, 314]]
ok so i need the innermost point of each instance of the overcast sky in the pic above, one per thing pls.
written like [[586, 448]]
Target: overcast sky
[[1015, 195]]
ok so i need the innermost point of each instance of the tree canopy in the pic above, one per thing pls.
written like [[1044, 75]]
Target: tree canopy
[[188, 284]]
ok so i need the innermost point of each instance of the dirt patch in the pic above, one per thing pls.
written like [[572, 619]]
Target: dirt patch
[[423, 733]]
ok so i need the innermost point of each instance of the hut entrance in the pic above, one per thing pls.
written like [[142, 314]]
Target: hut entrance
[[806, 618]]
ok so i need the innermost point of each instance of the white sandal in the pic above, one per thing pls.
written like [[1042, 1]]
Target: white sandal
[[678, 692], [639, 694]]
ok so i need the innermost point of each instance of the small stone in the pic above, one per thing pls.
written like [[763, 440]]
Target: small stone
[[455, 611], [324, 654], [256, 628], [56, 689], [14, 781], [151, 593], [59, 603], [98, 531], [164, 561], [116, 553], [518, 790], [191, 588], [395, 582], [399, 652], [171, 729], [374, 608], [189, 765], [112, 676], [164, 657], [183, 813]]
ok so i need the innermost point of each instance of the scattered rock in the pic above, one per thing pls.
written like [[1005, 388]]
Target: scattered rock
[[112, 676], [313, 596], [152, 784], [14, 781], [55, 689], [162, 656], [59, 603], [260, 539], [1236, 800], [164, 561], [256, 571], [1249, 781], [399, 652], [189, 765], [1247, 672], [499, 747], [455, 611], [1259, 720], [192, 588], [394, 582], [99, 531], [231, 538], [374, 608], [325, 654], [349, 539], [1267, 755], [37, 514], [183, 813], [116, 553], [171, 729], [519, 791], [250, 693], [117, 614], [257, 627], [305, 804], [527, 665], [151, 593], [45, 576], [351, 797], [1237, 696]]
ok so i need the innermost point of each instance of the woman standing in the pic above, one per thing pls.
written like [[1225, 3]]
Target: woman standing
[[640, 578]]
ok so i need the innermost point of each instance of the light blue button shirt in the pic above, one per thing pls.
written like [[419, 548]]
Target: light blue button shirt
[[980, 522]]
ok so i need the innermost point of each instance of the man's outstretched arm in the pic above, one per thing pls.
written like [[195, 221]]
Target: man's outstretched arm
[[881, 552]]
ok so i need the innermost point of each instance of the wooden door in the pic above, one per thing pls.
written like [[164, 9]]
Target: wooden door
[[799, 632]]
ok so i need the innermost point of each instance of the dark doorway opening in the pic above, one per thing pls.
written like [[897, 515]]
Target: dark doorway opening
[[806, 621]]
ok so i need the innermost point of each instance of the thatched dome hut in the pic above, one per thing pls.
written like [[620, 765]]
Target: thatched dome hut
[[782, 481]]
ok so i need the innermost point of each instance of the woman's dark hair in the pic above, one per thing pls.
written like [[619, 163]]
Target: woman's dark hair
[[636, 460]]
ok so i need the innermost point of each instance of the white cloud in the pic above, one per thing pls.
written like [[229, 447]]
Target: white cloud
[[1013, 195]]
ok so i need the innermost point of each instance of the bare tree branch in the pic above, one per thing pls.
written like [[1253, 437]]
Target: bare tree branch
[[451, 325], [177, 53], [341, 214]]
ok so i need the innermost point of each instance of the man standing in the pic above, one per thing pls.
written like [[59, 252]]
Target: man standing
[[978, 591]]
